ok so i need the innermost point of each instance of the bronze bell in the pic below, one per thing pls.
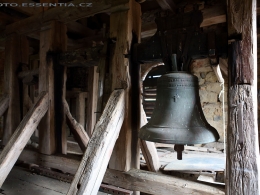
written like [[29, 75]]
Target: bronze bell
[[178, 117]]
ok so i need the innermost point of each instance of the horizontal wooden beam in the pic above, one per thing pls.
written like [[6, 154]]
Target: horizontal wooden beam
[[154, 183], [81, 58], [63, 14], [211, 16], [144, 181], [26, 73], [21, 136]]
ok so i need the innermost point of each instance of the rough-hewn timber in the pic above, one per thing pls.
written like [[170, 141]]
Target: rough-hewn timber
[[242, 176], [95, 159], [76, 129], [21, 136]]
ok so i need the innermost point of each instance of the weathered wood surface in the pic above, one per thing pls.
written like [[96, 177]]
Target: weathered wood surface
[[76, 129], [148, 149], [148, 182], [129, 23], [21, 136], [214, 15], [53, 39], [243, 177], [28, 73], [4, 103], [92, 99], [154, 183], [63, 14], [60, 97], [243, 147], [81, 58], [16, 52], [102, 66], [65, 163], [95, 159]]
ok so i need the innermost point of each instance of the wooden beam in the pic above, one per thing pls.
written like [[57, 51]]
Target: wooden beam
[[80, 58], [92, 99], [242, 144], [76, 128], [147, 182], [214, 15], [4, 103], [148, 149], [102, 67], [16, 52], [95, 160], [53, 39], [63, 14], [153, 183], [75, 94], [65, 163], [22, 134], [129, 23], [167, 5], [25, 10], [26, 73]]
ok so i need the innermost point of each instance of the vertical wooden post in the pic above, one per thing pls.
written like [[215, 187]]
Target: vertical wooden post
[[52, 39], [92, 99], [102, 66], [80, 108], [16, 52], [242, 148], [122, 27]]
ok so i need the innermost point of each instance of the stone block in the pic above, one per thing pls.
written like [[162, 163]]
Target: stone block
[[211, 77], [208, 97]]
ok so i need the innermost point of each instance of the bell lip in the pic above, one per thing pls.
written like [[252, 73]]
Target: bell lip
[[208, 135]]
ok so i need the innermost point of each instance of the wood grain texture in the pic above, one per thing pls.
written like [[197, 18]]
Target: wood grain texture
[[76, 129], [102, 66], [123, 26], [92, 99], [242, 156], [16, 52], [65, 163], [21, 136], [4, 103], [96, 157], [148, 148], [243, 146], [147, 182], [153, 183], [241, 19], [52, 39]]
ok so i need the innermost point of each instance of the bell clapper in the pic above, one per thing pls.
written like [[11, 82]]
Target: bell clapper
[[179, 148]]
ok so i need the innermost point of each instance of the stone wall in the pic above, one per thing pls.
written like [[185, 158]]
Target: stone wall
[[209, 92]]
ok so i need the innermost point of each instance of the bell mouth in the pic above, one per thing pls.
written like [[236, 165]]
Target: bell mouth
[[192, 135]]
